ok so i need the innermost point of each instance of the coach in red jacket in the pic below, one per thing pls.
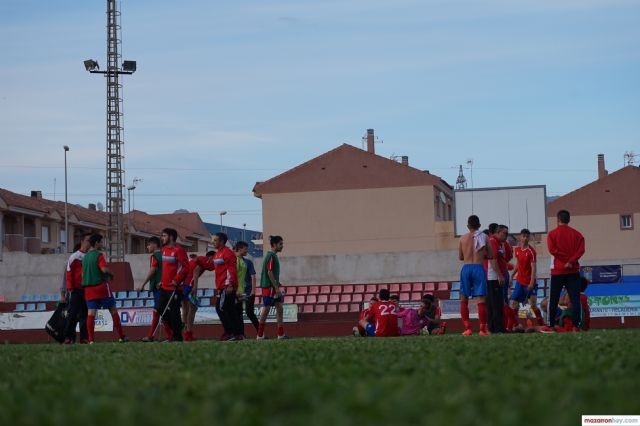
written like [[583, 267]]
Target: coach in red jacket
[[566, 245]]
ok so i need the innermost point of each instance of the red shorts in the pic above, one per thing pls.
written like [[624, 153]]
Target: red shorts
[[100, 291]]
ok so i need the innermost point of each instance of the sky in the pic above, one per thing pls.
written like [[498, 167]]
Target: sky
[[228, 93]]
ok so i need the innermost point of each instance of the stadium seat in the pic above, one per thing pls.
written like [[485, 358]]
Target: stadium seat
[[371, 288], [127, 304], [307, 309], [323, 298], [368, 297], [455, 286], [405, 297], [121, 295], [345, 298], [24, 298], [394, 288], [442, 286], [132, 295], [325, 289], [357, 297], [319, 309], [299, 299], [354, 307], [200, 292], [139, 303], [416, 295], [205, 301], [303, 289], [19, 307], [314, 289], [144, 294], [405, 287], [540, 292], [332, 309], [334, 298], [43, 298], [148, 303], [292, 290], [429, 287], [347, 289], [336, 289], [541, 283], [118, 304], [41, 307], [359, 288], [343, 307], [312, 298], [454, 295], [288, 299], [208, 292], [417, 287], [31, 307]]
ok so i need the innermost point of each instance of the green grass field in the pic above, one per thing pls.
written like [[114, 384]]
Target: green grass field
[[502, 380]]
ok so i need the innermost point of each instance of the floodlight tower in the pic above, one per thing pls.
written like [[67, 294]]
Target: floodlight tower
[[115, 172]]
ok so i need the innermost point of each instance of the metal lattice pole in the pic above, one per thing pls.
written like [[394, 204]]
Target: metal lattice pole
[[114, 170]]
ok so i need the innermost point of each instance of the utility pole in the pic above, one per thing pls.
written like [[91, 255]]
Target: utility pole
[[114, 170]]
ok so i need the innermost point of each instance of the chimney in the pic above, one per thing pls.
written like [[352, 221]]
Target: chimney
[[370, 141], [602, 172], [92, 207], [405, 160], [36, 194]]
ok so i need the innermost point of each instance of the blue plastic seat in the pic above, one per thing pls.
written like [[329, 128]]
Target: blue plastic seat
[[127, 303], [132, 295], [208, 292], [24, 298], [455, 286], [205, 301], [540, 292], [148, 303], [454, 295], [144, 294], [41, 307], [118, 304], [200, 292], [31, 307], [121, 295], [19, 307], [139, 303]]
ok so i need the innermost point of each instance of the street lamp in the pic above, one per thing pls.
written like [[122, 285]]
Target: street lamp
[[222, 213], [66, 202], [244, 232]]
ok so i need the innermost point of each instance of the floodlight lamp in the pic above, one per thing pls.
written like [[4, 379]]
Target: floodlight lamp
[[129, 66], [66, 148], [91, 65]]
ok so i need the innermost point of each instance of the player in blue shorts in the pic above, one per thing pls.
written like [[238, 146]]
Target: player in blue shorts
[[473, 250]]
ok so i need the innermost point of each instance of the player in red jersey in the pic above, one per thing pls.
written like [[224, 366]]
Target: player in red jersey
[[190, 304], [77, 307], [383, 313], [175, 267], [153, 277], [495, 269], [364, 327], [225, 263], [525, 281]]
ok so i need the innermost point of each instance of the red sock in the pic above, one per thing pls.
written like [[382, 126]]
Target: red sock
[[260, 330], [506, 318], [154, 323], [167, 330], [464, 313], [482, 314], [116, 324], [91, 323], [538, 315], [280, 330]]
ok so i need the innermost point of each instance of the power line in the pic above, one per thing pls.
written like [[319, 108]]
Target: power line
[[159, 169]]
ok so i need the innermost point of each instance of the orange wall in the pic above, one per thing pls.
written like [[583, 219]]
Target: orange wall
[[356, 221]]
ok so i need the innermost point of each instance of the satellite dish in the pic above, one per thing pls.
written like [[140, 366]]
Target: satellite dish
[[100, 206]]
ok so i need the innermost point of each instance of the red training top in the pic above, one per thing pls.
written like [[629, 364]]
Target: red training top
[[384, 314], [74, 271], [175, 266], [225, 262], [565, 245], [526, 257]]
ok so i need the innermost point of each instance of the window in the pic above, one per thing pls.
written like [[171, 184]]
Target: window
[[626, 221], [45, 233]]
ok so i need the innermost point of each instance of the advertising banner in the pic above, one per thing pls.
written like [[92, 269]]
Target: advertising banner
[[37, 320], [602, 274], [614, 306]]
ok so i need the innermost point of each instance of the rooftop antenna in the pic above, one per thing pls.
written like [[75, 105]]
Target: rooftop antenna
[[629, 158], [365, 139], [470, 167]]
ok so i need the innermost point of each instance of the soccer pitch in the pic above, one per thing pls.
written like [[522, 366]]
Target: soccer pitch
[[528, 379]]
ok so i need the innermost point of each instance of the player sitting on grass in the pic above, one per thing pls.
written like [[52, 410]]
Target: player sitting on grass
[[410, 319], [430, 311], [365, 327], [383, 313]]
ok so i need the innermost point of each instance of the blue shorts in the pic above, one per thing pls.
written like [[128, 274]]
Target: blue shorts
[[473, 281], [105, 303], [156, 298], [521, 294], [271, 301]]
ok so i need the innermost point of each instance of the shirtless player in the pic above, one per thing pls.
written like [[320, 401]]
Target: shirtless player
[[473, 281]]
